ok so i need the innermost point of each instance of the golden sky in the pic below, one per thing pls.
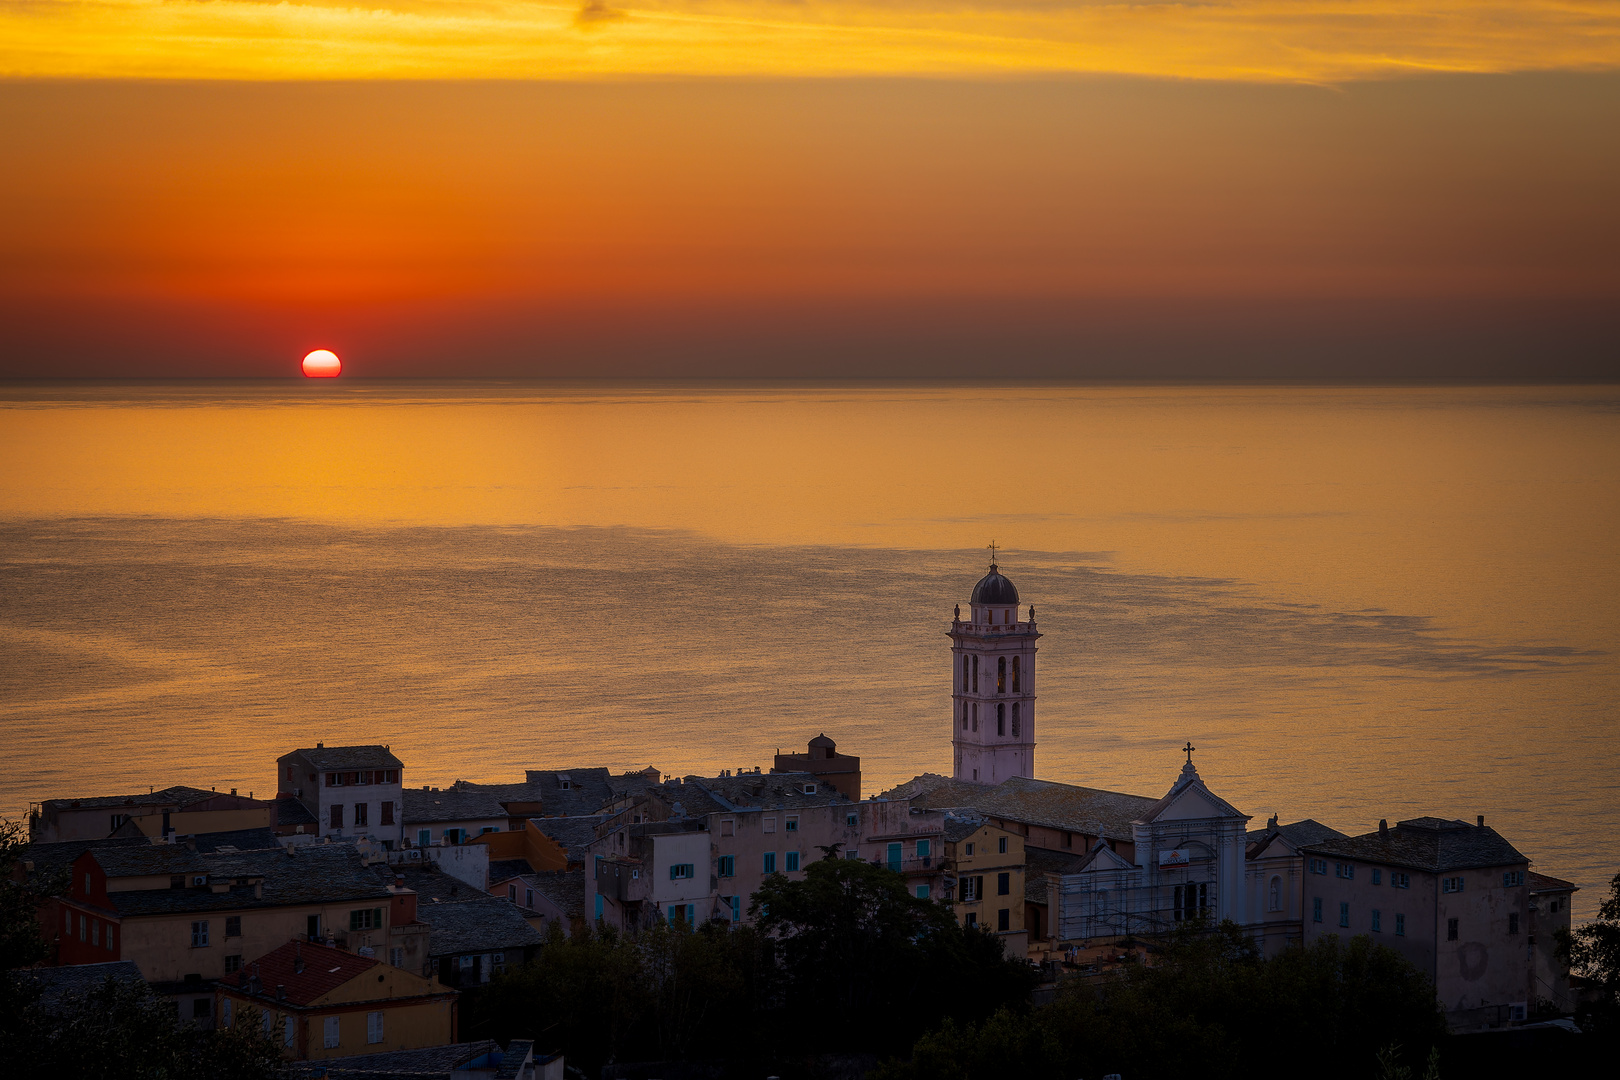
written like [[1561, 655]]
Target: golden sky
[[1304, 40]]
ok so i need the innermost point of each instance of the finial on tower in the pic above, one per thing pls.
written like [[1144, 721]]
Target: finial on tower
[[1188, 750], [958, 612], [994, 547]]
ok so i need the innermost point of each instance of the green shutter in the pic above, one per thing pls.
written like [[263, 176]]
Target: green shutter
[[377, 918], [354, 920]]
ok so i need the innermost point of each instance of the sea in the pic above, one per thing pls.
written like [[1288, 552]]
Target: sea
[[1355, 602]]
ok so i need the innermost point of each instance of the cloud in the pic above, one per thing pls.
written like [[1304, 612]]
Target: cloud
[[594, 13]]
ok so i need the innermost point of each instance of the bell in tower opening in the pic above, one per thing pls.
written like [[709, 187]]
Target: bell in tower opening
[[993, 673]]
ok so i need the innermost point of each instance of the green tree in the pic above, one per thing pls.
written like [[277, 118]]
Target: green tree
[[1593, 952]]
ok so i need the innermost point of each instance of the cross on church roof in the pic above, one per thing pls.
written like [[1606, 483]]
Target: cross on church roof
[[992, 545], [1189, 748]]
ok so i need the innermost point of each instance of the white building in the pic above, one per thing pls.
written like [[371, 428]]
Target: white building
[[353, 791], [993, 673]]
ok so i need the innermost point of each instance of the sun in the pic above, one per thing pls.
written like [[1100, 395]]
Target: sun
[[322, 364]]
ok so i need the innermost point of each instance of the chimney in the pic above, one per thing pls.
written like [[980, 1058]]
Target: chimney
[[233, 791], [1383, 828], [320, 746], [404, 906], [1482, 821]]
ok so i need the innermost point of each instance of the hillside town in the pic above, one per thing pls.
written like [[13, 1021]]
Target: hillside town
[[351, 909]]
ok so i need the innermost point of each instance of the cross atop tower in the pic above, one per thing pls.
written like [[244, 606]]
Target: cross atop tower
[[1188, 750], [994, 547]]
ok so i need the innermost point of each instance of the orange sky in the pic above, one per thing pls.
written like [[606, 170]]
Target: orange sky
[[1090, 189]]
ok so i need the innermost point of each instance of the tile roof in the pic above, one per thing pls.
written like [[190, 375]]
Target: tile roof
[[1039, 802], [450, 804], [1430, 844], [751, 791], [436, 1061], [587, 792], [960, 826], [68, 984], [565, 888], [314, 873], [179, 795], [48, 858], [240, 839], [149, 860], [1298, 833], [290, 811], [478, 923], [308, 971], [1544, 883], [518, 1054], [324, 758]]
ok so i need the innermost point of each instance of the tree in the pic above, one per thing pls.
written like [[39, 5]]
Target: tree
[[1593, 952]]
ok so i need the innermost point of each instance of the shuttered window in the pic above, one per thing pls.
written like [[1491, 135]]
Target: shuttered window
[[374, 1027], [331, 1032]]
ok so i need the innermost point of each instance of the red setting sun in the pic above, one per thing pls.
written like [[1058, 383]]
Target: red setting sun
[[322, 364]]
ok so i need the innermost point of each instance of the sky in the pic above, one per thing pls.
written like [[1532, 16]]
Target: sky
[[1036, 189]]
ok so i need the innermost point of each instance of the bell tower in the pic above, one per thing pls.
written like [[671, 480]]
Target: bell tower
[[993, 676]]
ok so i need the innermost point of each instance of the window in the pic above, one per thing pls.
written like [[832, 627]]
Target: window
[[233, 926], [511, 893], [1344, 913], [1001, 674], [964, 716], [1318, 866], [1190, 899], [1553, 907], [770, 862], [793, 824], [331, 1032], [1513, 922], [1001, 718], [683, 871], [199, 934], [853, 852], [736, 909], [975, 690], [973, 888], [1377, 921], [1400, 925], [1274, 894], [1451, 884], [728, 866], [970, 848], [337, 815], [1400, 881], [201, 1009], [424, 837], [728, 827], [95, 932], [1015, 690], [1004, 884], [896, 855], [1509, 880], [225, 1012], [1345, 870], [360, 814], [312, 927], [233, 963], [391, 776], [1016, 726], [387, 817], [598, 905], [975, 728], [334, 779], [965, 676], [685, 914], [1451, 929], [374, 1027], [455, 836], [922, 892], [1316, 909], [267, 1021], [1004, 920], [770, 824], [366, 919], [1001, 845], [924, 849], [792, 861], [396, 956], [84, 926], [1378, 876], [852, 820], [528, 898], [972, 919], [108, 937], [351, 778], [1068, 839]]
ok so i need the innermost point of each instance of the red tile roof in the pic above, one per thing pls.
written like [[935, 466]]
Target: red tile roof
[[1547, 883], [323, 970]]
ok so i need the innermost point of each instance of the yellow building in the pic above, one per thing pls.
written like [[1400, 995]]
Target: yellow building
[[987, 863], [323, 1002]]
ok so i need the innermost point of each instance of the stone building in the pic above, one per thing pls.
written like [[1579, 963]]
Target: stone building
[[353, 791], [993, 684]]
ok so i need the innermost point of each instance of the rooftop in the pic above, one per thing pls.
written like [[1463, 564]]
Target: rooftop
[[290, 812], [332, 758], [429, 1061], [1545, 883], [1431, 844], [565, 888], [306, 970], [474, 923], [309, 874], [450, 804], [180, 795], [1298, 833], [70, 983], [1038, 802], [752, 791], [572, 834]]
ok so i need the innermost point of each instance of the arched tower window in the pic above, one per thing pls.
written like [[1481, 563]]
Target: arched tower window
[[1001, 674], [975, 674], [964, 673], [1015, 716], [1274, 895], [964, 715], [975, 716], [1001, 718], [1015, 675]]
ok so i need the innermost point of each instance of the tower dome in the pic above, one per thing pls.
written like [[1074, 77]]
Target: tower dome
[[994, 589]]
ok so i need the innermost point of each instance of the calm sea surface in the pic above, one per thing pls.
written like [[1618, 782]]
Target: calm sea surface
[[1357, 603]]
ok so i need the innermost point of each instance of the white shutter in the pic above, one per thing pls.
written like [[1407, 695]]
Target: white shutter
[[289, 1029], [331, 1032], [374, 1027]]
